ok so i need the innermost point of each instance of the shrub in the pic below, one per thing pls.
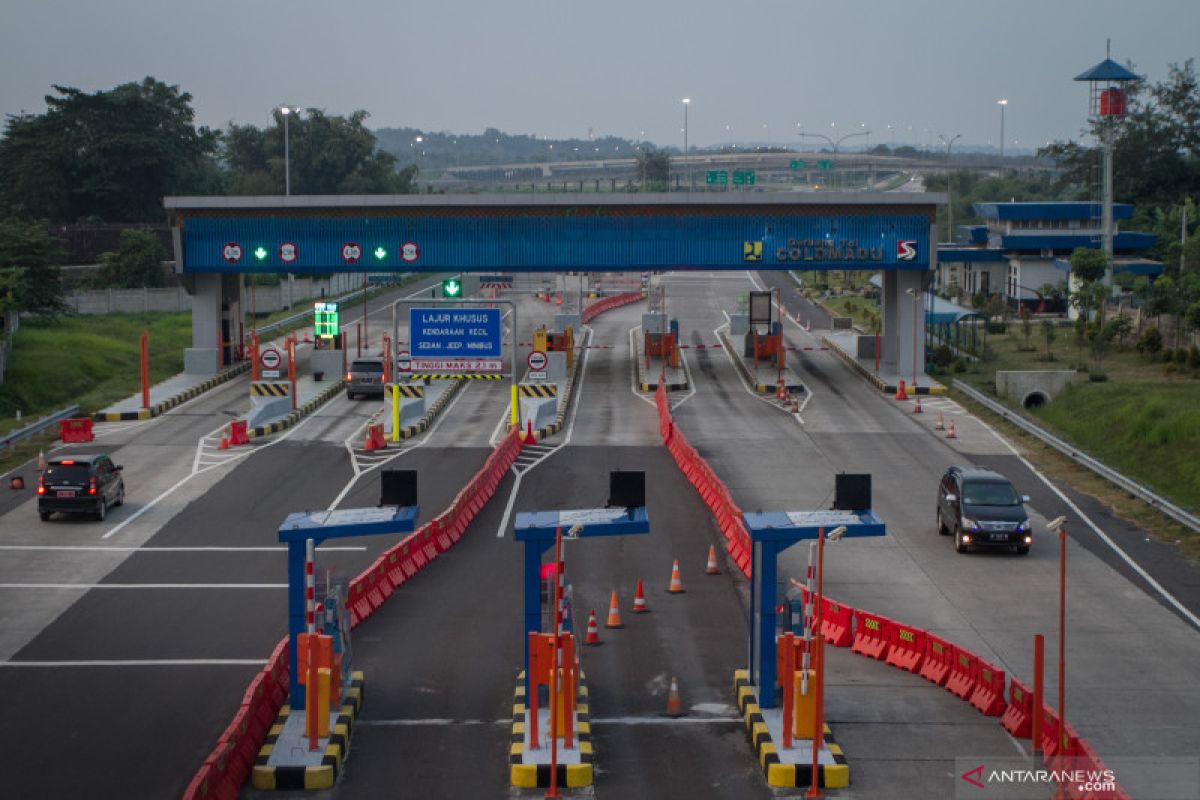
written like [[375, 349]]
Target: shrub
[[1181, 356], [1097, 377], [960, 366], [1194, 357], [1151, 342], [997, 327], [942, 356], [1170, 369]]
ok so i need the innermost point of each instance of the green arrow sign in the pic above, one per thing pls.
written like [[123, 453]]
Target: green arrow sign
[[797, 164], [824, 165], [380, 253], [260, 253], [744, 178], [718, 177], [451, 288]]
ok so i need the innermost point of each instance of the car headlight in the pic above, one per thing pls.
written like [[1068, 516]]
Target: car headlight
[[970, 524], [1024, 526]]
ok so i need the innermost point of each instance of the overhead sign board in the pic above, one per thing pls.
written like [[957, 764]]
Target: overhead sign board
[[454, 339], [325, 319], [716, 177]]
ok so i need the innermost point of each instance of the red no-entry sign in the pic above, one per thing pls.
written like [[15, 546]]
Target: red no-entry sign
[[537, 361]]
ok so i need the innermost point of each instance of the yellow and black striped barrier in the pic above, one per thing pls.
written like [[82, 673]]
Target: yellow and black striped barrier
[[458, 376], [538, 390], [265, 389], [408, 390]]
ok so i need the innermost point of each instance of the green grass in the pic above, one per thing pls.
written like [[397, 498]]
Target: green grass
[[92, 361]]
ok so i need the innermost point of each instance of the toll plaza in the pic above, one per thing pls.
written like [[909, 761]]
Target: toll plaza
[[218, 239]]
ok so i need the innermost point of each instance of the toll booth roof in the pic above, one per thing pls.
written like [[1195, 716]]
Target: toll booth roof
[[345, 522], [596, 522], [807, 524]]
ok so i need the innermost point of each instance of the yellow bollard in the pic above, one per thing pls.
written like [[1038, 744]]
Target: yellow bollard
[[516, 410], [324, 679], [802, 705], [395, 412]]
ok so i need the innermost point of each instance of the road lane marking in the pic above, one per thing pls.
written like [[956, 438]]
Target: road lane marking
[[130, 549], [147, 662]]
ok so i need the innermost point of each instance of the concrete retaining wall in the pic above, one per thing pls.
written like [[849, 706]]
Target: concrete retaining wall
[[1025, 386]]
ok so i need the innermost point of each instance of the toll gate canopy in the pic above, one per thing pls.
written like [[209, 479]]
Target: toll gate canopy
[[554, 232]]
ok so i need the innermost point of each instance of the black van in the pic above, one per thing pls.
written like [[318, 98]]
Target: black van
[[981, 508]]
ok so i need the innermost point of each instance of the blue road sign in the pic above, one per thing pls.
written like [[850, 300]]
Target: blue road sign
[[446, 334]]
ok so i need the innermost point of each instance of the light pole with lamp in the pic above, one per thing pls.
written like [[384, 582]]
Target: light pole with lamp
[[286, 112], [687, 101], [1002, 103], [916, 298], [819, 661], [767, 128], [1060, 524], [949, 198], [835, 143]]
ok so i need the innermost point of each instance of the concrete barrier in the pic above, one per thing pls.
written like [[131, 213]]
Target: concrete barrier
[[412, 407], [542, 411], [268, 402]]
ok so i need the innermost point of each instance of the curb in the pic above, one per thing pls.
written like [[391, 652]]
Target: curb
[[556, 426], [297, 415], [323, 776], [537, 776], [409, 431], [887, 388], [761, 388], [829, 776], [166, 405]]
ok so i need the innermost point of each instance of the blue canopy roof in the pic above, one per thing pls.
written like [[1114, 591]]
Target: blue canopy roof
[[970, 254], [1107, 70], [1049, 210]]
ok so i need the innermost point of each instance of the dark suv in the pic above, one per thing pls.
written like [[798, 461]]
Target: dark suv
[[981, 507], [80, 484], [365, 378]]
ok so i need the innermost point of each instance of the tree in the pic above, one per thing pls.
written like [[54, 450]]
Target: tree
[[29, 261], [654, 169], [1088, 264], [136, 263], [1048, 336], [112, 155]]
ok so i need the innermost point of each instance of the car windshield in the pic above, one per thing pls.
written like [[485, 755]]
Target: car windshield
[[990, 494], [367, 366], [66, 473]]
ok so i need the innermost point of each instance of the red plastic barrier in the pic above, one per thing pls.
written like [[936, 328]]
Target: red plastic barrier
[[379, 589], [238, 433], [202, 785], [939, 654], [75, 430], [988, 696], [872, 634], [358, 602], [837, 620], [608, 303], [907, 648], [1018, 717], [964, 673], [395, 569]]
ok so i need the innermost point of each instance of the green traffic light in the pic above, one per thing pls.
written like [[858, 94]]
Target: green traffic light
[[380, 253], [260, 253], [451, 288]]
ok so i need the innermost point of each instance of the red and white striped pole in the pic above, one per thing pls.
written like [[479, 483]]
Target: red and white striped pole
[[808, 620], [310, 601], [310, 588]]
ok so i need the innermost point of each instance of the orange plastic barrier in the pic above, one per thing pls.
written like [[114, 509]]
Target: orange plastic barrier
[[238, 433], [964, 673], [907, 648], [1018, 717], [78, 429], [988, 696], [872, 634], [938, 655], [836, 623], [541, 664]]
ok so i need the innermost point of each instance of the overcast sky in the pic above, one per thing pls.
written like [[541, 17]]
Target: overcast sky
[[560, 68]]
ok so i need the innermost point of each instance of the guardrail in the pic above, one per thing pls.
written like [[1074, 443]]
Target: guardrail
[[39, 426], [1173, 511]]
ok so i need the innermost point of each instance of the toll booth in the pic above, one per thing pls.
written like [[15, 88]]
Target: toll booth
[[661, 343], [767, 346]]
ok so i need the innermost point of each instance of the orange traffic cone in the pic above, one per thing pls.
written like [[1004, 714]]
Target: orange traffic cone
[[676, 586], [41, 464], [593, 631], [781, 392], [917, 407], [529, 438], [674, 706], [900, 393], [808, 325], [950, 432], [712, 568], [614, 614], [558, 300], [639, 600], [224, 443], [940, 424]]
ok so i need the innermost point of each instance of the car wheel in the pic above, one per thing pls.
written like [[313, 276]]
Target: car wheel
[[45, 515], [1022, 551], [120, 496], [101, 509], [959, 547], [942, 529]]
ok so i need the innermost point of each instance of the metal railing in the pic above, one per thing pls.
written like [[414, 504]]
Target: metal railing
[[1178, 514], [39, 426]]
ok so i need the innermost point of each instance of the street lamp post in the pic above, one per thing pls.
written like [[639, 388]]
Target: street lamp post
[[687, 101], [1002, 103], [949, 198], [1061, 525], [286, 112], [835, 143], [818, 643]]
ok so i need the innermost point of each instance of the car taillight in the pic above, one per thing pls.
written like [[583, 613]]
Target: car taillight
[[41, 488], [91, 485], [349, 376]]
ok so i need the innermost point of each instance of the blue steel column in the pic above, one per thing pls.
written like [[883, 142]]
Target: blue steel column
[[295, 620], [766, 625], [533, 595]]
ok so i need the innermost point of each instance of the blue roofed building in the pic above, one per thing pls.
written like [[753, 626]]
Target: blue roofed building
[[1024, 246]]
